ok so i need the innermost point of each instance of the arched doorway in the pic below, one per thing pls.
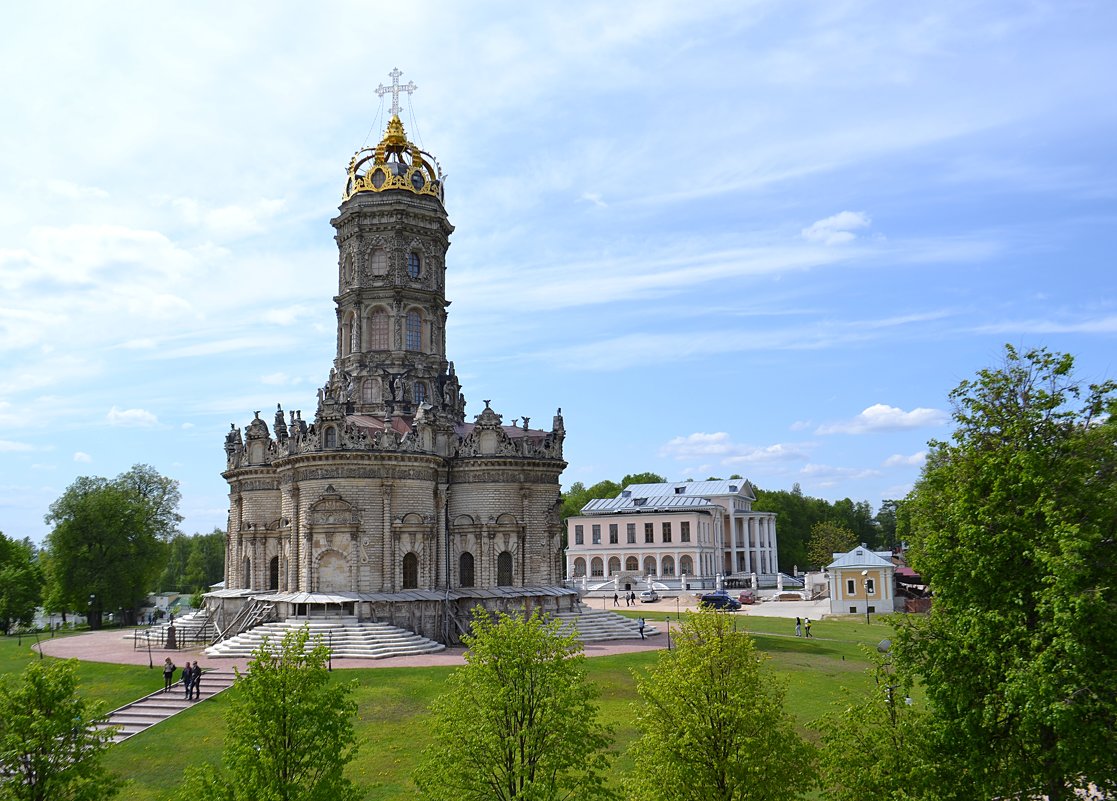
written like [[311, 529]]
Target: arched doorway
[[247, 564], [504, 569], [465, 569], [273, 573], [410, 572]]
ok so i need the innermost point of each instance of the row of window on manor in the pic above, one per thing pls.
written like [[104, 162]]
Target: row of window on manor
[[631, 565], [379, 264], [630, 533]]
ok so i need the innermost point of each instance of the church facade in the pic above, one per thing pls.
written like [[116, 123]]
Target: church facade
[[389, 504]]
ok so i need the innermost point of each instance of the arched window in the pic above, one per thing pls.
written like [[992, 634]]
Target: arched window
[[378, 329], [347, 335], [579, 567], [370, 390], [504, 569], [247, 573], [668, 566], [414, 331], [329, 438], [632, 564], [410, 572], [465, 569], [597, 567], [414, 265], [649, 565], [614, 565], [686, 565], [273, 573], [379, 262], [419, 392]]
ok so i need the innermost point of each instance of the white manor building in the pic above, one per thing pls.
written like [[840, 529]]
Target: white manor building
[[685, 534]]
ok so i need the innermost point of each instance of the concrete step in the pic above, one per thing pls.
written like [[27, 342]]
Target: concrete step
[[595, 625], [346, 637], [153, 709]]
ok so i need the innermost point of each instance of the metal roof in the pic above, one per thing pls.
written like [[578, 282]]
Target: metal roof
[[862, 557], [328, 598], [642, 503], [706, 489]]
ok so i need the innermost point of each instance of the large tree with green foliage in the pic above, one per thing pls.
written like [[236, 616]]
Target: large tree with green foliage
[[713, 724], [289, 731], [874, 742], [49, 749], [519, 721], [826, 540], [193, 562], [21, 583], [108, 541], [1013, 525]]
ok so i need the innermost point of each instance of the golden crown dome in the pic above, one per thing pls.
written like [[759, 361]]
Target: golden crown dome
[[395, 163]]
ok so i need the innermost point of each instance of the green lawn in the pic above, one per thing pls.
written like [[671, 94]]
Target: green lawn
[[393, 703]]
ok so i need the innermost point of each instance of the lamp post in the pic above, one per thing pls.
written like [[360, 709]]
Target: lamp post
[[865, 586], [885, 647], [331, 657], [92, 601], [677, 608]]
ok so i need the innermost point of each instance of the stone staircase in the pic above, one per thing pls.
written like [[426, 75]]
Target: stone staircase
[[191, 629], [597, 625], [155, 708], [346, 636]]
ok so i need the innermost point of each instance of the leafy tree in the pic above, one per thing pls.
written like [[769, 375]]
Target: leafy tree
[[1012, 525], [21, 583], [826, 540], [887, 523], [579, 495], [874, 746], [518, 720], [193, 562], [49, 749], [108, 541], [713, 725], [290, 731]]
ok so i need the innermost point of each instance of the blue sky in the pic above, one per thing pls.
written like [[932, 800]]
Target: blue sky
[[764, 238]]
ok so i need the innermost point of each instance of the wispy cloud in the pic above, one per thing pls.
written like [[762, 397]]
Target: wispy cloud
[[8, 446], [131, 418], [721, 447], [83, 457], [899, 460], [838, 229]]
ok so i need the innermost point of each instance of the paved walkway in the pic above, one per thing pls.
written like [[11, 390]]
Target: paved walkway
[[111, 646]]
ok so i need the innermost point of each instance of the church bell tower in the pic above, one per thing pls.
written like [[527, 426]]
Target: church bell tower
[[392, 238]]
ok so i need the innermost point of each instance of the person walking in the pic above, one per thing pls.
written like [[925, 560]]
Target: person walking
[[197, 682], [798, 627], [641, 626], [168, 673], [616, 600], [807, 626], [187, 679]]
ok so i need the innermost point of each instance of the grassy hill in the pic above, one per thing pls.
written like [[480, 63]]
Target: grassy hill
[[393, 704]]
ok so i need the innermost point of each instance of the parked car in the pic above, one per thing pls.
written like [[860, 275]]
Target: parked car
[[649, 596], [718, 600], [747, 597]]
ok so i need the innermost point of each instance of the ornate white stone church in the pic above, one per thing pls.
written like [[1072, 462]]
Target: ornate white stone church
[[389, 505]]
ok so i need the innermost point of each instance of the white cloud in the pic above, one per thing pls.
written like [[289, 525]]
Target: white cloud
[[828, 476], [73, 191], [801, 425], [131, 418], [837, 229], [7, 446], [701, 446], [899, 460], [881, 417], [82, 456]]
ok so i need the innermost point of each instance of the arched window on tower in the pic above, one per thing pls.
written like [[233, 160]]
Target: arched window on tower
[[414, 331], [379, 262], [247, 565], [410, 572], [414, 265], [465, 569], [504, 569], [419, 392], [329, 438], [347, 335], [378, 329]]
